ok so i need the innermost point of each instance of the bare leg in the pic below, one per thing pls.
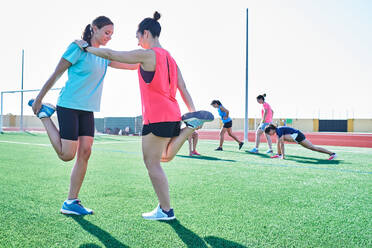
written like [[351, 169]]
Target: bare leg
[[230, 133], [269, 141], [195, 137], [152, 148], [222, 136], [259, 132], [307, 144], [189, 139], [65, 149], [80, 167], [175, 144]]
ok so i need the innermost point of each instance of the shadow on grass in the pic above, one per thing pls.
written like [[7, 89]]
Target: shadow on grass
[[215, 242], [186, 235], [310, 160], [102, 235], [191, 239], [258, 154], [206, 158]]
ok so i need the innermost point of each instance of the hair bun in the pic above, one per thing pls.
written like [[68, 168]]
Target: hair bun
[[264, 95], [156, 16]]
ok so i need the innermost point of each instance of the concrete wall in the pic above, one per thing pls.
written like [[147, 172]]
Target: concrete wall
[[362, 125]]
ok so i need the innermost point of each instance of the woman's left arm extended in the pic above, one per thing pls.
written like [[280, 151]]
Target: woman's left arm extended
[[124, 66], [127, 57]]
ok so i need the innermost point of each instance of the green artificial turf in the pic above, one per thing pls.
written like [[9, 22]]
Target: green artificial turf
[[221, 199]]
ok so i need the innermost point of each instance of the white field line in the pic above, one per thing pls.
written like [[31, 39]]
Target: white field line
[[47, 145], [23, 143]]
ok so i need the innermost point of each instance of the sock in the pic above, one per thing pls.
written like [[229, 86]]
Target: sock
[[69, 201]]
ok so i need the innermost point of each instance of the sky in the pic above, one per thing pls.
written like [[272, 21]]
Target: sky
[[313, 59]]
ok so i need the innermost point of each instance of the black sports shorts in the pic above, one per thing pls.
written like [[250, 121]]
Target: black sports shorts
[[227, 124], [74, 123], [163, 129], [300, 137]]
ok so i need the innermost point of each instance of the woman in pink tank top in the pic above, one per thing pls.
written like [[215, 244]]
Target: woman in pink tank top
[[267, 118], [159, 79]]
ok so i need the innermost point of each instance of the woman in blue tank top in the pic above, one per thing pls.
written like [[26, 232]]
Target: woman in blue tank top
[[293, 135], [78, 99], [227, 124]]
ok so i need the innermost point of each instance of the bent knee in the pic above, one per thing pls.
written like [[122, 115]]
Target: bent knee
[[166, 159], [66, 156]]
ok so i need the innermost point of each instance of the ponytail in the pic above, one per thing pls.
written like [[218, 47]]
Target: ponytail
[[87, 34]]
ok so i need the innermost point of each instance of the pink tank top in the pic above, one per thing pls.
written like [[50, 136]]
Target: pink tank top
[[269, 115], [158, 97]]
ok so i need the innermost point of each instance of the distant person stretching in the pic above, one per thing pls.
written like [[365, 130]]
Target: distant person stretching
[[267, 118], [293, 135], [159, 78], [227, 124]]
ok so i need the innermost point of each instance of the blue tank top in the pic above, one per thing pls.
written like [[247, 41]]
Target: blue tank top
[[223, 114]]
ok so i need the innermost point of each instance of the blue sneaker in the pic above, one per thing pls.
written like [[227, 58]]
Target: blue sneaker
[[196, 119], [269, 151], [254, 150], [46, 111], [159, 214], [75, 208]]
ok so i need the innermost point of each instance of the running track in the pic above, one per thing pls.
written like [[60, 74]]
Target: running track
[[329, 139]]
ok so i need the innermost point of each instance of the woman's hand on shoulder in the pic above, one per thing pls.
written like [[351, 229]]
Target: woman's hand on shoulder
[[81, 43]]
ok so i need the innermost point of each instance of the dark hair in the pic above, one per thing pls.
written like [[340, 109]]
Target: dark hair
[[261, 97], [150, 24], [99, 22], [269, 128], [216, 102]]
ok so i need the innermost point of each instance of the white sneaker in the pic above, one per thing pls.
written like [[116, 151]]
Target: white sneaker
[[159, 214]]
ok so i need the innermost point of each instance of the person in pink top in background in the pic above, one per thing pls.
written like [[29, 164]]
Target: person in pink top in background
[[267, 118], [193, 141]]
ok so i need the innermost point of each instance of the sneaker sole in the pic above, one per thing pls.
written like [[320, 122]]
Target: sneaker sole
[[63, 211], [162, 218], [201, 115]]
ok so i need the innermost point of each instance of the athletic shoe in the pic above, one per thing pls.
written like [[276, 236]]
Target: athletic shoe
[[269, 151], [195, 153], [159, 214], [46, 111], [218, 149], [276, 156], [196, 119], [240, 145], [76, 208], [254, 150], [333, 156]]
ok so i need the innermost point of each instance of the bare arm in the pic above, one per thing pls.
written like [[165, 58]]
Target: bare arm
[[226, 111], [264, 117], [124, 66], [62, 66], [184, 92], [144, 57], [282, 146]]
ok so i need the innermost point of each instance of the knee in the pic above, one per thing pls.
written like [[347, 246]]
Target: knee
[[66, 156], [84, 153], [166, 159]]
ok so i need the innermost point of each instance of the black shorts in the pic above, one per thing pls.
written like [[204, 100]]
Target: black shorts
[[227, 124], [163, 129], [74, 123], [300, 137]]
